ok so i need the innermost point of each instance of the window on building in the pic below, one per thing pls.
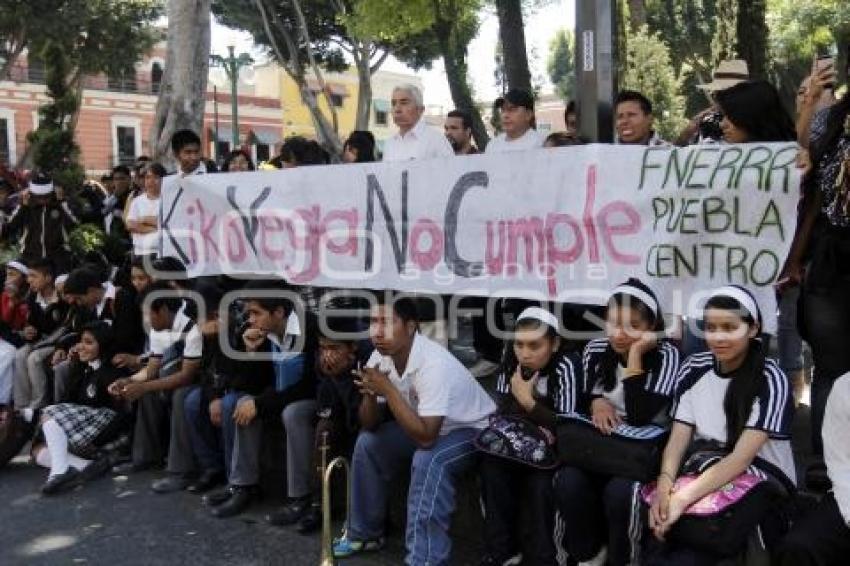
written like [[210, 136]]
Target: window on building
[[156, 77], [337, 100], [5, 141], [126, 137], [382, 112], [263, 152], [36, 72]]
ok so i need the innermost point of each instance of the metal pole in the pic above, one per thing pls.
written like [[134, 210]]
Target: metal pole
[[215, 121], [596, 70], [233, 73]]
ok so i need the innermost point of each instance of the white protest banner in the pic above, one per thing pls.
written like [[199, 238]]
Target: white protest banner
[[563, 224]]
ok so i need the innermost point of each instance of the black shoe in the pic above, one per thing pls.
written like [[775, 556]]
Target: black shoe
[[171, 484], [239, 500], [311, 521], [96, 469], [61, 482], [491, 560], [127, 468], [291, 512], [216, 498], [208, 480]]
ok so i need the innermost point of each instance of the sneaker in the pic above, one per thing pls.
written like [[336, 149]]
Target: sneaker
[[491, 560], [483, 368], [345, 547]]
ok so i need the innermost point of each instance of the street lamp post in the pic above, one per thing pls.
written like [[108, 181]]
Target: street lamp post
[[231, 65]]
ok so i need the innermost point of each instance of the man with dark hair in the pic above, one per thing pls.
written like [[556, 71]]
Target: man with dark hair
[[634, 120], [518, 127], [437, 408], [161, 387], [458, 128], [279, 384], [186, 147]]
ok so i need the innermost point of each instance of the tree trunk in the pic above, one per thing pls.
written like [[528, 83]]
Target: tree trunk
[[454, 59], [842, 40], [512, 35], [182, 97], [752, 36], [637, 14], [723, 44], [362, 60]]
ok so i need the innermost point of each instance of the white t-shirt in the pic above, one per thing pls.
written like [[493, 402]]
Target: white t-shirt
[[160, 340], [421, 142], [616, 396], [531, 139], [436, 384], [142, 207], [836, 443], [700, 405]]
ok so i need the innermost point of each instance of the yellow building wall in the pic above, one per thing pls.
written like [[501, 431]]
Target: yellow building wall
[[297, 119]]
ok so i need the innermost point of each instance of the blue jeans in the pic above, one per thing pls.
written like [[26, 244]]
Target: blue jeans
[[379, 456], [204, 436]]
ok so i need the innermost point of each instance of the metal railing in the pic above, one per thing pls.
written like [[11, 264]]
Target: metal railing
[[137, 84]]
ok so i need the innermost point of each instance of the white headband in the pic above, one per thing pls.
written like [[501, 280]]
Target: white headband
[[41, 190], [542, 315], [61, 279], [744, 298], [18, 266], [640, 295]]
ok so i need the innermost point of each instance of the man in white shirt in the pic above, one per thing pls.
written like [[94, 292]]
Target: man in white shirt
[[823, 537], [415, 139], [438, 409], [518, 130]]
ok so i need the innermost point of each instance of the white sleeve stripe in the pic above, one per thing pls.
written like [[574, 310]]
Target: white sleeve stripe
[[778, 392]]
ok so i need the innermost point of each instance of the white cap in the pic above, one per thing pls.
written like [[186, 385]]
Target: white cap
[[41, 190], [18, 266]]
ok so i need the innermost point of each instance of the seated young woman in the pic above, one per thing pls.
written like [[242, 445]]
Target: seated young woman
[[87, 419], [631, 376], [539, 381], [732, 415]]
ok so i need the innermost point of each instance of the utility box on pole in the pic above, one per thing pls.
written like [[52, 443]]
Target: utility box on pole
[[596, 69]]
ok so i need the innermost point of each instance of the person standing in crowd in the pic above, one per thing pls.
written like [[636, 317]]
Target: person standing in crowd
[[14, 312], [115, 205], [822, 538], [519, 131], [414, 139], [571, 118], [359, 148], [297, 151], [459, 132], [705, 126], [186, 147], [753, 112], [823, 240], [561, 139], [631, 377], [42, 223], [437, 409], [816, 92], [47, 312], [733, 414], [143, 217], [634, 120], [237, 161], [86, 419], [161, 387], [551, 386]]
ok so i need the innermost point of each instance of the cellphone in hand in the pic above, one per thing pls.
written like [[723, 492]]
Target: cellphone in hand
[[825, 61]]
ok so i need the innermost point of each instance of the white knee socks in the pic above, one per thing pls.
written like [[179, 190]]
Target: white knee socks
[[57, 445]]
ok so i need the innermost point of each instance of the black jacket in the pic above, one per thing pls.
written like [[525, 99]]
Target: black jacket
[[46, 319], [128, 325], [43, 230]]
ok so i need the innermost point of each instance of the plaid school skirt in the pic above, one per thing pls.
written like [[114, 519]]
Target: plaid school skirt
[[82, 424]]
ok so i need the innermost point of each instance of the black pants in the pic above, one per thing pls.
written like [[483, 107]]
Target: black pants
[[822, 538], [827, 320], [511, 490], [599, 511]]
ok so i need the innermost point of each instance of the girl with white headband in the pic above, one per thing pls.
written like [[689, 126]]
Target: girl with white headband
[[539, 380], [631, 377], [732, 416]]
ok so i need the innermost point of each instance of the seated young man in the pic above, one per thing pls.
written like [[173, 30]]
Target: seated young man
[[44, 323], [161, 387], [279, 382], [438, 409], [13, 318], [337, 405], [822, 538]]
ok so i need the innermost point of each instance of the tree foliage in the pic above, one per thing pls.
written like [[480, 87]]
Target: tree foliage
[[561, 63], [648, 69]]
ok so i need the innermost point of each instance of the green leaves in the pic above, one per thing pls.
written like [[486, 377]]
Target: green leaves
[[561, 63]]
